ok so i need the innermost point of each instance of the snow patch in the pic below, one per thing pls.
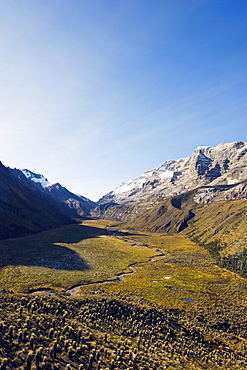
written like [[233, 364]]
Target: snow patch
[[204, 147], [129, 185], [166, 175], [124, 187], [166, 171], [36, 178]]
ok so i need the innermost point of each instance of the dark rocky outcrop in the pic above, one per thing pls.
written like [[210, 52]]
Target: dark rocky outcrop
[[23, 210], [73, 205]]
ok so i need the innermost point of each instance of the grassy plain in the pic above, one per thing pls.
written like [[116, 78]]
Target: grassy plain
[[185, 277], [66, 256], [176, 310]]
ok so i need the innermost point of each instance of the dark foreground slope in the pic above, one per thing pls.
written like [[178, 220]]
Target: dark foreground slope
[[22, 210]]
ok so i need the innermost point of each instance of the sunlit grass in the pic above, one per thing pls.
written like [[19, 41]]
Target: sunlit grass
[[224, 222], [189, 271], [201, 304], [103, 256]]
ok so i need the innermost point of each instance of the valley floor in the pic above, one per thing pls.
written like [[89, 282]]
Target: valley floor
[[91, 296]]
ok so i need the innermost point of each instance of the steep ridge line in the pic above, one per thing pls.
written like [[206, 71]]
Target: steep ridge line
[[225, 164]]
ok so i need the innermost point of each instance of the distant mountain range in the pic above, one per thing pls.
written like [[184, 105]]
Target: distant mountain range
[[225, 164], [203, 196], [73, 205]]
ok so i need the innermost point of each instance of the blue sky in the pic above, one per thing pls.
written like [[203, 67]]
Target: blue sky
[[96, 92]]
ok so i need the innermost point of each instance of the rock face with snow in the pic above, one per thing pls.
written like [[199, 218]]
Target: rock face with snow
[[75, 206], [203, 197], [36, 178], [225, 164]]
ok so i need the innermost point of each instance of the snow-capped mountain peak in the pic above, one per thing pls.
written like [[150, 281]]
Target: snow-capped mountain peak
[[126, 186], [165, 171], [40, 179], [225, 164]]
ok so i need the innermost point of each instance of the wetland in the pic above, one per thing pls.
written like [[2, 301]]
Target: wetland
[[137, 301]]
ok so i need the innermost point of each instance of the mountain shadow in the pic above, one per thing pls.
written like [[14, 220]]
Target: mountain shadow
[[46, 249], [70, 204], [23, 211]]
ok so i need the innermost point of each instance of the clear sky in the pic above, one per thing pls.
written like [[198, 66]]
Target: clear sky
[[94, 92]]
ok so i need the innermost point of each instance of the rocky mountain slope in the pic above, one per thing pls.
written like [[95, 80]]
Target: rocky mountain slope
[[22, 210], [225, 164], [220, 225], [216, 172], [203, 197], [75, 206]]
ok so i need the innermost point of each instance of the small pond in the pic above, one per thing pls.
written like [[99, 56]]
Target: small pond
[[189, 300]]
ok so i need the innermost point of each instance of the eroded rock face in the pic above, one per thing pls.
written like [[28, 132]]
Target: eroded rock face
[[225, 164], [218, 193]]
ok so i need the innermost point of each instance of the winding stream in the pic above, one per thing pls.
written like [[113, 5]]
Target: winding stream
[[74, 290]]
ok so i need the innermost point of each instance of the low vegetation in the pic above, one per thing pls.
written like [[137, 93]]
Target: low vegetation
[[220, 227], [63, 257], [176, 308], [51, 333]]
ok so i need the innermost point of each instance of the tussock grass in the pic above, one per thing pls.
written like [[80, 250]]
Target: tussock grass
[[192, 272], [224, 222], [64, 257], [179, 310]]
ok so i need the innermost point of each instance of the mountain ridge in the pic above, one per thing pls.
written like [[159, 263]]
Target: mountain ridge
[[22, 210], [73, 205], [224, 164], [203, 197], [165, 199]]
